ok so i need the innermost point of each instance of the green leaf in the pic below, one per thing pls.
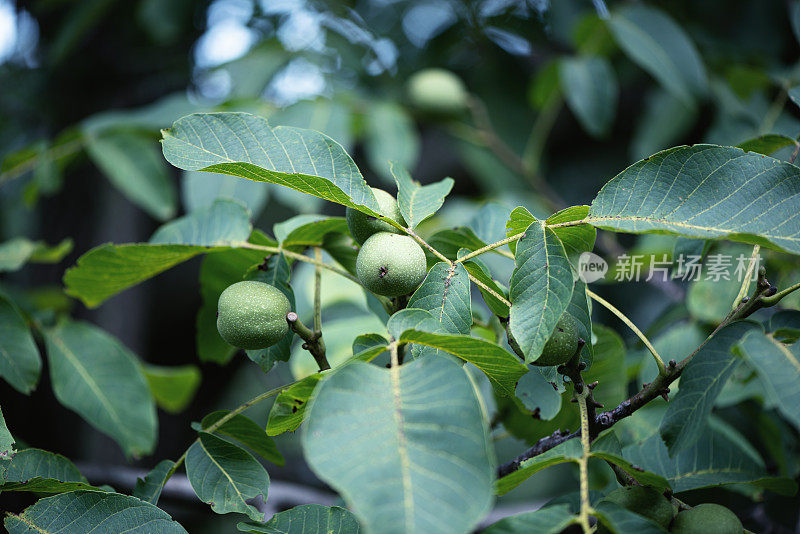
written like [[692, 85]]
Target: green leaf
[[794, 95], [96, 376], [172, 387], [418, 202], [705, 191], [16, 252], [223, 223], [538, 395], [580, 307], [390, 135], [289, 407], [149, 488], [785, 325], [276, 272], [313, 233], [109, 269], [591, 91], [307, 519], [658, 45], [247, 432], [569, 451], [778, 366], [710, 300], [226, 476], [719, 457], [450, 241], [412, 319], [201, 189], [92, 511], [548, 520], [619, 520], [132, 163], [767, 144], [20, 363], [540, 289], [576, 239], [501, 367], [701, 383], [608, 366], [607, 447], [519, 221], [445, 293], [244, 145], [408, 447], [42, 472], [664, 121], [6, 445]]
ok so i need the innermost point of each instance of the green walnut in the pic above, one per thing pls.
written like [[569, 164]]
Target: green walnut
[[391, 264], [437, 90], [563, 343], [707, 519], [252, 315], [644, 501], [362, 226]]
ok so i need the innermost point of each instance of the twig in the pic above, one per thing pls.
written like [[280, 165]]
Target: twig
[[296, 256], [313, 342], [583, 462], [491, 246]]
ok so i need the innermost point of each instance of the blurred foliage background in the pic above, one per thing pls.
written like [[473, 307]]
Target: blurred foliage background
[[564, 95]]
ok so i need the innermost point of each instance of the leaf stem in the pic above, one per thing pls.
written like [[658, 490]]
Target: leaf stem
[[491, 247], [318, 291], [299, 257], [659, 362], [746, 282], [774, 299]]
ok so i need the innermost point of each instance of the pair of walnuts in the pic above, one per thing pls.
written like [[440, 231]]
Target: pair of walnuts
[[252, 315]]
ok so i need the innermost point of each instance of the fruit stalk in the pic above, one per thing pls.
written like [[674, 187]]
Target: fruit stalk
[[313, 342]]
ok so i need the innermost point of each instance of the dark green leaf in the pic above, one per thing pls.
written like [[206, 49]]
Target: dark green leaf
[[246, 146], [149, 488], [226, 476], [548, 520], [538, 395], [591, 91], [576, 239], [416, 455], [307, 519], [418, 202], [705, 191], [569, 451], [42, 472], [445, 293], [540, 289], [20, 363], [92, 511], [96, 376], [701, 382], [619, 520]]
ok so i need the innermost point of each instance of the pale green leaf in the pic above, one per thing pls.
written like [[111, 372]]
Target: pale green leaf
[[778, 366], [172, 387], [705, 191], [408, 447], [132, 163], [657, 44], [701, 382], [92, 511], [518, 221], [418, 202], [96, 376], [412, 319], [247, 432], [224, 222], [244, 145], [226, 476], [20, 363], [540, 289], [149, 488], [307, 519], [201, 189], [312, 234], [663, 122], [16, 252], [538, 395], [591, 91]]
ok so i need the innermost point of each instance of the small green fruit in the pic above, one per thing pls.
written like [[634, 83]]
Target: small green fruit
[[391, 264], [437, 90], [252, 315], [644, 501], [362, 226], [707, 519], [563, 343]]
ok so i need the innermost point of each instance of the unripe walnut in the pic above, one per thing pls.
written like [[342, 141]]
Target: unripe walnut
[[563, 343], [644, 501], [252, 315], [707, 519], [437, 90], [391, 264], [362, 226]]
